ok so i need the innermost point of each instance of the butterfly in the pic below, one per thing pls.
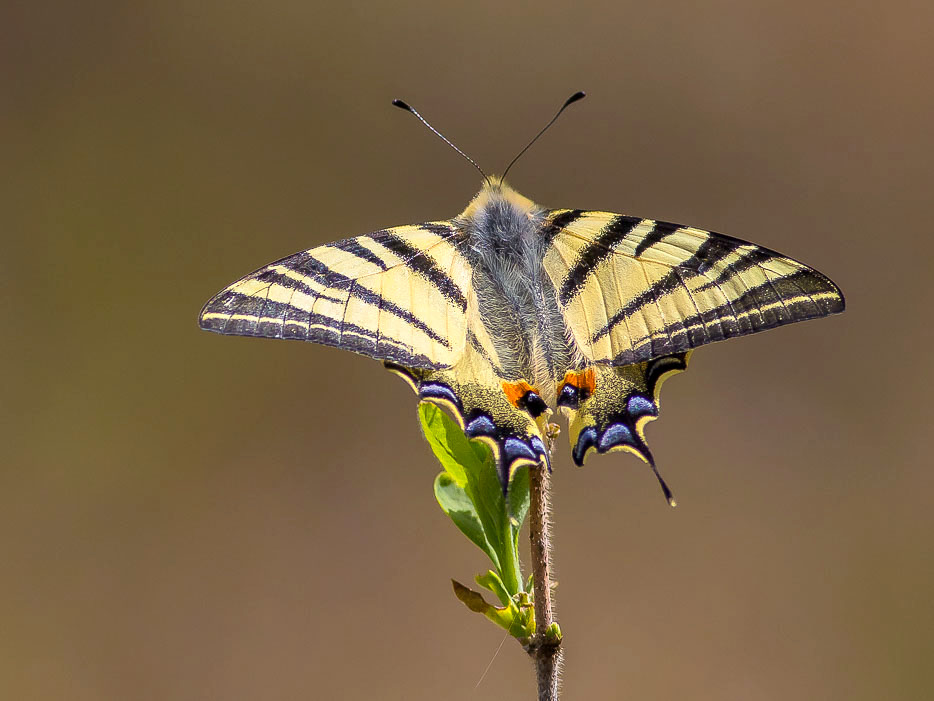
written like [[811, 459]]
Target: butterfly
[[511, 310]]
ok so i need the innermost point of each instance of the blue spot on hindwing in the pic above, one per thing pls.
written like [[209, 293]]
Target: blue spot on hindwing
[[640, 406], [511, 448], [439, 391], [514, 449], [538, 446], [481, 426], [614, 435], [586, 440]]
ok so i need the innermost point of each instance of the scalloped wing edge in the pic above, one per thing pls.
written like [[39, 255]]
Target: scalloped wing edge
[[516, 443]]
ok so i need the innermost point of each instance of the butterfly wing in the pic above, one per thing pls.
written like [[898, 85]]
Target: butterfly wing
[[608, 407], [508, 416], [399, 294], [636, 289]]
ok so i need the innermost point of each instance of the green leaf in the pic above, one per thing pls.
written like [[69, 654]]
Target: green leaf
[[448, 442], [471, 465], [492, 581], [516, 620], [470, 493], [456, 504], [486, 492], [553, 633], [518, 501], [482, 450]]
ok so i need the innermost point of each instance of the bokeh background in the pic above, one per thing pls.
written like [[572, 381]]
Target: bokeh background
[[187, 516]]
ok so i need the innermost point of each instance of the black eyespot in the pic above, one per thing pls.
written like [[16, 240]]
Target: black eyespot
[[569, 396], [533, 404], [583, 394]]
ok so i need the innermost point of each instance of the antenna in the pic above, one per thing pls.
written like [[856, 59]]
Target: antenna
[[579, 95], [405, 106]]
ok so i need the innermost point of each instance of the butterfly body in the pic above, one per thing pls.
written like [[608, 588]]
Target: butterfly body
[[510, 310], [505, 239]]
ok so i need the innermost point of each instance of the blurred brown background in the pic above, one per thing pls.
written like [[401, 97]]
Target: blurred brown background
[[186, 516]]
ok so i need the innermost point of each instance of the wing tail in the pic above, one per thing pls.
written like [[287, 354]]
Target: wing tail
[[609, 407]]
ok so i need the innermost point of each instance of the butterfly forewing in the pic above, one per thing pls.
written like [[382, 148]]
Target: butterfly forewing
[[636, 289], [399, 294]]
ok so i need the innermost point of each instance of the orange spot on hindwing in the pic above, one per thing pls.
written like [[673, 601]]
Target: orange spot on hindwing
[[516, 391], [524, 396], [577, 387]]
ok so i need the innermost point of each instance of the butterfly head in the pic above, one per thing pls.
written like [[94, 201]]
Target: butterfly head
[[496, 193]]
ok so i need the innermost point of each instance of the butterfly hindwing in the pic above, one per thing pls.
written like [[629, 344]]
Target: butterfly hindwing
[[507, 416], [399, 294], [635, 289], [608, 406]]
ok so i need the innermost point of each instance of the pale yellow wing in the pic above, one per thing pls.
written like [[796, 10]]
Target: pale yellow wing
[[636, 289], [399, 294]]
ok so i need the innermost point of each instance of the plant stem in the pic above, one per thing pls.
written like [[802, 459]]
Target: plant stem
[[544, 650]]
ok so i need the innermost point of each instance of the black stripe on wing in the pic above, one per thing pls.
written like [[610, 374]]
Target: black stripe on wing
[[659, 231], [256, 316], [558, 223], [599, 249], [332, 279], [298, 282], [602, 247], [708, 254], [482, 352], [354, 247], [806, 294], [797, 296], [271, 318], [418, 262]]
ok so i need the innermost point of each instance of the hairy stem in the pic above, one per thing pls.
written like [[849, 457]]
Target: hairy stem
[[544, 650]]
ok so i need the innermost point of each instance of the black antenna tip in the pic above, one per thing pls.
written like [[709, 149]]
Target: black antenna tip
[[402, 105], [579, 95]]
